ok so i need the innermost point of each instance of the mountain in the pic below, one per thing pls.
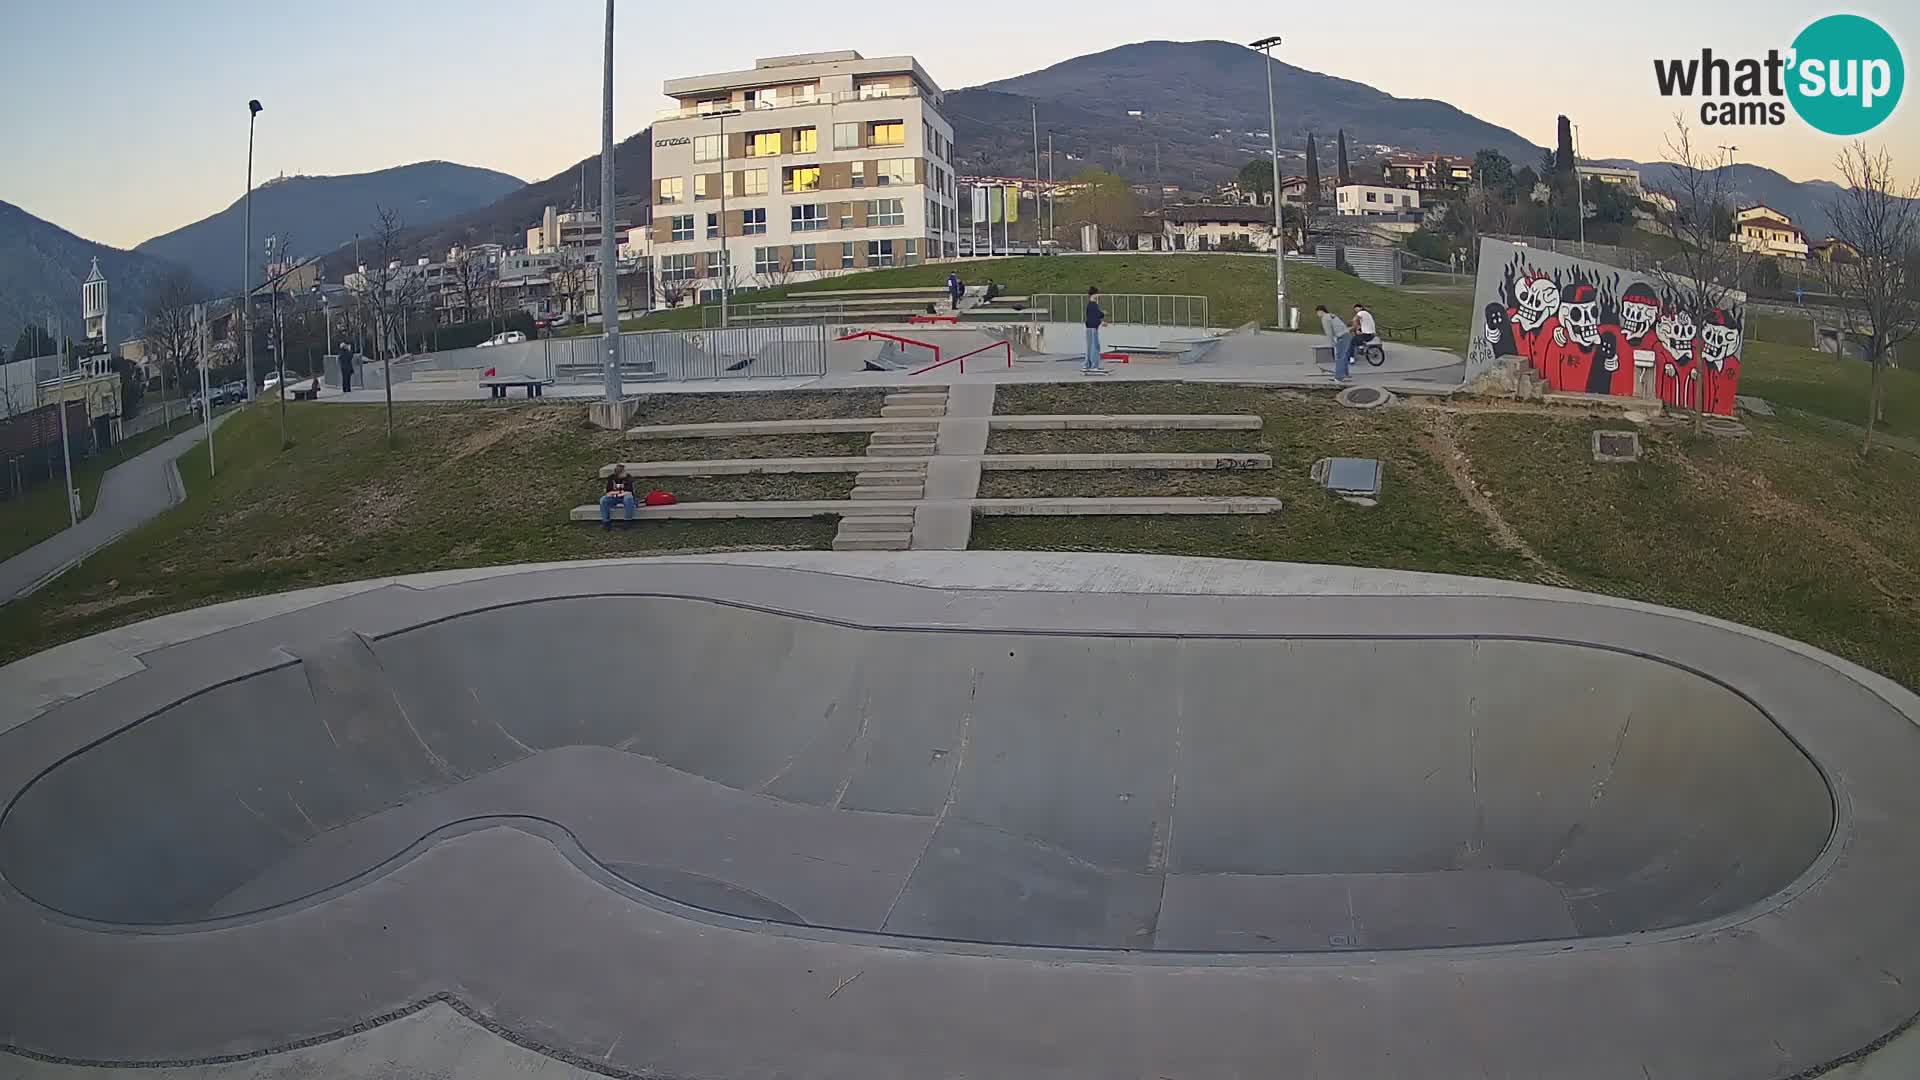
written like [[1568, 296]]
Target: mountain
[[319, 213], [1201, 101], [1805, 201], [505, 220], [42, 266]]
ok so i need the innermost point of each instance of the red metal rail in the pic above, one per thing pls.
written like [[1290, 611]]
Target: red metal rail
[[962, 358], [859, 335]]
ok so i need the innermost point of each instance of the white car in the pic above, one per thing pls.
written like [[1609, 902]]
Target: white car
[[511, 337]]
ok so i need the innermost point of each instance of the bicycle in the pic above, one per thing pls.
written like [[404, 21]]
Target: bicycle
[[1373, 352]]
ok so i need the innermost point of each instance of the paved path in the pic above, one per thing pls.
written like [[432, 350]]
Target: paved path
[[131, 494]]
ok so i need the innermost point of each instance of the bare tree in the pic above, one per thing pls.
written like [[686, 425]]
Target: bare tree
[[1704, 273], [390, 287], [1879, 219], [472, 280], [171, 333]]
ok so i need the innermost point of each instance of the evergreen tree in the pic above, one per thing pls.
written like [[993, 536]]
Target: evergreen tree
[[1563, 157], [1313, 174], [1346, 173]]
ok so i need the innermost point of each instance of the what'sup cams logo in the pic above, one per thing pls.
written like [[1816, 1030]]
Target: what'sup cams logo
[[1843, 75]]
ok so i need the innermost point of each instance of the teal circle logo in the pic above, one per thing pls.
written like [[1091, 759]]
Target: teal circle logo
[[1847, 75]]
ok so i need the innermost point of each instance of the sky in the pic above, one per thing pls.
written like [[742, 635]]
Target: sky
[[155, 136]]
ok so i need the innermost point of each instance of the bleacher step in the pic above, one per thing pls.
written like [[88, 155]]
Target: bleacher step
[[933, 411], [901, 438], [874, 542], [891, 491], [919, 449], [890, 479], [902, 523]]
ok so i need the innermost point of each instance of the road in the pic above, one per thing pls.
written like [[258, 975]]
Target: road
[[130, 495]]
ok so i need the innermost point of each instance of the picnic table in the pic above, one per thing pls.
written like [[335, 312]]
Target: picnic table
[[535, 385]]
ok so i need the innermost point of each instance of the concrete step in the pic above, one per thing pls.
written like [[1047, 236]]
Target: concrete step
[[874, 542], [878, 523], [922, 449], [930, 411], [889, 492], [896, 438], [916, 397], [909, 478]]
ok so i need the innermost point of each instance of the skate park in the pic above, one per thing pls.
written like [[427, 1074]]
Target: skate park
[[968, 812]]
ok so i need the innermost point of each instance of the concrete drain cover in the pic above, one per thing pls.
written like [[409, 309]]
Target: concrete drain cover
[[1754, 405], [1356, 480], [1364, 397], [1616, 447]]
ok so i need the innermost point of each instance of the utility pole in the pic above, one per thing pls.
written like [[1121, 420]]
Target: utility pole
[[66, 451], [1579, 190], [609, 249], [726, 262], [1266, 45], [246, 262], [1036, 171], [1051, 187], [206, 399]]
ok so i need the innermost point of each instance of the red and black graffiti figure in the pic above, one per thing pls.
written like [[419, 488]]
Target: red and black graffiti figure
[[1635, 342], [1674, 378], [1719, 368], [1536, 303], [1574, 362]]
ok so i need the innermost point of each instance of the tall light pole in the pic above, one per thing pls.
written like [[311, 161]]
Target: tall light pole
[[727, 263], [1052, 189], [1265, 45], [246, 260], [1036, 174], [609, 249], [1579, 189]]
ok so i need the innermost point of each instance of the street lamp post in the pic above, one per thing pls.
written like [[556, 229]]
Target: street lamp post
[[1579, 189], [1265, 45], [726, 263], [609, 249], [246, 261]]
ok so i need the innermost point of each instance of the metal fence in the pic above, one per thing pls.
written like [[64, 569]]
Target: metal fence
[[1131, 309], [737, 352]]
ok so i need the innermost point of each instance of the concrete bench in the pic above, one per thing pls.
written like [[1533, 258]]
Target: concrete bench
[[535, 385]]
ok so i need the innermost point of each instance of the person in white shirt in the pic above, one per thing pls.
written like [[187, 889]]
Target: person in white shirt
[[1364, 328]]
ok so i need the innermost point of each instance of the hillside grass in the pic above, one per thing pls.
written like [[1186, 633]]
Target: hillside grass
[[467, 485], [1238, 288]]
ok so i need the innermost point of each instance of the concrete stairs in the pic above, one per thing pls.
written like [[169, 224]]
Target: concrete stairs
[[888, 480]]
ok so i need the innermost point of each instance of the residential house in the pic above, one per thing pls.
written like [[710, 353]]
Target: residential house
[[1767, 231], [1219, 226]]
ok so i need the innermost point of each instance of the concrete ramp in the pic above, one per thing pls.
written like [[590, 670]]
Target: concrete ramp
[[1174, 793]]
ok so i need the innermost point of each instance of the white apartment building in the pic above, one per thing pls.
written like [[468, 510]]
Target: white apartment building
[[804, 166], [1627, 180], [1767, 231], [1371, 200]]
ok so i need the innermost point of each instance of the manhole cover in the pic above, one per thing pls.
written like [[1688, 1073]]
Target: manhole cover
[[1351, 478], [1614, 447], [1364, 397]]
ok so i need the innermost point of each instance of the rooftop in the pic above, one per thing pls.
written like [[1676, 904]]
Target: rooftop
[[797, 68]]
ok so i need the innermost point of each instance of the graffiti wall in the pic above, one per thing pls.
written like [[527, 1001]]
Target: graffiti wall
[[1585, 327]]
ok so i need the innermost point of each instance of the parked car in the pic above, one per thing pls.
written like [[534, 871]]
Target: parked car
[[511, 337], [233, 391]]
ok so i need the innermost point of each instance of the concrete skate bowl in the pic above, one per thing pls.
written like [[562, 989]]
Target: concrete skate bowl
[[1216, 794]]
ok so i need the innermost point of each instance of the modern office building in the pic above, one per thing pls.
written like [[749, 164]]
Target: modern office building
[[804, 166]]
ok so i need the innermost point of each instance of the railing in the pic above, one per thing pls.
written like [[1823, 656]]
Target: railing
[[962, 358], [731, 111], [870, 335], [1132, 309]]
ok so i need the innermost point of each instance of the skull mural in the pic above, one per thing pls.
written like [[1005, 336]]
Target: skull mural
[[1676, 332], [1639, 308], [1719, 339], [1539, 298], [1580, 314]]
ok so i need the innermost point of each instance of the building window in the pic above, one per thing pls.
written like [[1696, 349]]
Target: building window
[[682, 227], [754, 181], [713, 226], [1371, 197], [879, 253], [708, 147], [700, 187], [1389, 198], [887, 133], [804, 258], [799, 178], [846, 217], [806, 140], [677, 268], [846, 136], [846, 256], [766, 260], [926, 136], [875, 90], [763, 144], [673, 189], [886, 212], [889, 171], [809, 217], [753, 222], [912, 251]]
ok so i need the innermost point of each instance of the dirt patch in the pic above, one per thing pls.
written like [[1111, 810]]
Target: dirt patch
[[1438, 438], [94, 607], [373, 509]]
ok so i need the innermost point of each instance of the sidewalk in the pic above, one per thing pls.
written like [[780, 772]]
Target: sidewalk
[[131, 494]]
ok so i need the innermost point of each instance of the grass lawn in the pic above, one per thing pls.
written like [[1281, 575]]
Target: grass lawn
[[468, 485], [1239, 289], [42, 511], [1825, 385], [1787, 530], [1422, 524]]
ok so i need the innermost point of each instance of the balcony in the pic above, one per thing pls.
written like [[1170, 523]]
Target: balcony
[[692, 112]]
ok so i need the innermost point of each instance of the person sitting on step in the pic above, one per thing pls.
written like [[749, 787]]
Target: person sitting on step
[[619, 493]]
